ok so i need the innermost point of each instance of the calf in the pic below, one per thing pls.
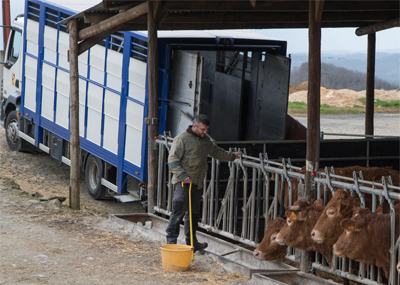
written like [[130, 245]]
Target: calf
[[366, 238], [268, 249], [301, 218]]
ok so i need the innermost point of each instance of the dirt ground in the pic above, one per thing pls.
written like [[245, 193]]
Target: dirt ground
[[41, 243]]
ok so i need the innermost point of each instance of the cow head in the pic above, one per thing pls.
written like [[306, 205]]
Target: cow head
[[327, 229], [268, 249], [365, 238], [300, 220]]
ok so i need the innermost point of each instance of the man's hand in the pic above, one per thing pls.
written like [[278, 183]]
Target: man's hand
[[238, 154], [187, 180]]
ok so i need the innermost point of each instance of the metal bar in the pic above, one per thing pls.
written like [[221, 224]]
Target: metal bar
[[212, 181], [231, 198], [258, 207], [253, 194], [236, 202], [216, 201]]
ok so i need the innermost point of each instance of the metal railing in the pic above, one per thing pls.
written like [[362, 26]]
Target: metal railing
[[240, 196]]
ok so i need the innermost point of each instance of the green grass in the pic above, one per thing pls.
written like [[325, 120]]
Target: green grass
[[300, 108]]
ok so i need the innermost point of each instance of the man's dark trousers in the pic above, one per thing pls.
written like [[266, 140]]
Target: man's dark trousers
[[180, 209]]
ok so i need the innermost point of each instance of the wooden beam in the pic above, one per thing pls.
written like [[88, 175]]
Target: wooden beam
[[319, 7], [74, 191], [152, 114], [313, 118], [114, 21], [378, 27], [370, 87], [88, 43]]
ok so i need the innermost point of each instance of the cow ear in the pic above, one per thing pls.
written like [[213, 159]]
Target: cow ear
[[379, 210], [348, 225], [344, 209], [318, 203], [291, 215]]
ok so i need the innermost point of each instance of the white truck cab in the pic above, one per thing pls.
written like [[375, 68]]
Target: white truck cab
[[12, 70]]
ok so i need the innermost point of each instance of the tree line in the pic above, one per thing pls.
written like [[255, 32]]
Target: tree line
[[334, 77]]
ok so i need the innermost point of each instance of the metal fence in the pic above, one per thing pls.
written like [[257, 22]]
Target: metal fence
[[240, 196]]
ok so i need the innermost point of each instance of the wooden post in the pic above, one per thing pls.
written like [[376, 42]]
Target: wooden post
[[152, 120], [370, 86], [74, 191], [313, 112]]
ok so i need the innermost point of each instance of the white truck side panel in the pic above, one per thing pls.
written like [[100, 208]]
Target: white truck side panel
[[62, 106], [111, 121], [114, 70], [82, 108], [30, 83], [63, 46], [83, 64], [32, 37], [97, 60], [94, 104], [50, 44], [137, 79], [48, 79], [133, 141]]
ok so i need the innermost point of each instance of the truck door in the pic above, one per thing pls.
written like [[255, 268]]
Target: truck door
[[187, 70], [272, 97], [12, 66]]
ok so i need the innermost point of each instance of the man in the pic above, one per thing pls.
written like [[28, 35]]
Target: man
[[187, 161]]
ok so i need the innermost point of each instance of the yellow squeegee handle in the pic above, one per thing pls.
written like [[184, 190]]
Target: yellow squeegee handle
[[190, 219]]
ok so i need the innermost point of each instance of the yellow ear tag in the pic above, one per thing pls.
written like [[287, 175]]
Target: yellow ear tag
[[351, 228], [293, 217]]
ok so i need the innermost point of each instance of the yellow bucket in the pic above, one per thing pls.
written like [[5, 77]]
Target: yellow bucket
[[176, 257]]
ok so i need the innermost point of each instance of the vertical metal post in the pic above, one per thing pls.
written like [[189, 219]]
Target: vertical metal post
[[74, 191]]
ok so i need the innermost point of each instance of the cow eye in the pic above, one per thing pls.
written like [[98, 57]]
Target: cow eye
[[330, 212], [288, 222], [273, 237]]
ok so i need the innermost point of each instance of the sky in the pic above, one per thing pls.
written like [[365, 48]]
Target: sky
[[332, 39]]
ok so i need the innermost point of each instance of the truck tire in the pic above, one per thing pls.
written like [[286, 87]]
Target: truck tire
[[93, 175], [13, 140]]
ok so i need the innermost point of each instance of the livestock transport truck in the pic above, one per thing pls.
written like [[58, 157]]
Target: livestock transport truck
[[239, 78]]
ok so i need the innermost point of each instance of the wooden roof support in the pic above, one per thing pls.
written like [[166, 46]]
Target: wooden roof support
[[74, 190], [313, 113], [370, 87], [378, 27], [88, 43], [153, 16], [114, 21]]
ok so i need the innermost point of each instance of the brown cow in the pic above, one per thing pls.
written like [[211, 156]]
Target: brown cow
[[327, 229], [366, 238], [268, 249], [368, 173], [342, 205], [301, 218]]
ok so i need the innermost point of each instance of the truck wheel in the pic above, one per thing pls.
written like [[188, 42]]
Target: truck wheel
[[13, 140], [93, 175]]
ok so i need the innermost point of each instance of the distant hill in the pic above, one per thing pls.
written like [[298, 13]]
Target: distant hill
[[387, 66]]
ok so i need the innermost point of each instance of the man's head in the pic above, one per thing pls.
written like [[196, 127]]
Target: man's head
[[201, 124]]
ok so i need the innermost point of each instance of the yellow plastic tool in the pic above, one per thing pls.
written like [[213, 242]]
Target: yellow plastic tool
[[190, 219]]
